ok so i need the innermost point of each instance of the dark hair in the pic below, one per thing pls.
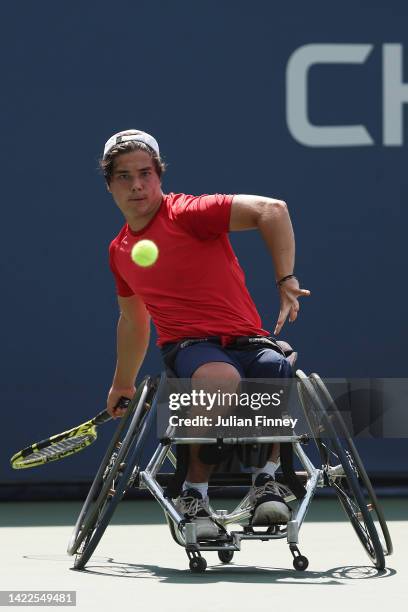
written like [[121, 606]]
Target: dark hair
[[107, 163]]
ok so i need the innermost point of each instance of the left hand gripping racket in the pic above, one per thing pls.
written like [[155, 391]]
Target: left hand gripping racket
[[63, 444]]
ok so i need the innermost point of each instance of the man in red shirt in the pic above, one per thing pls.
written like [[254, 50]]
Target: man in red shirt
[[197, 290]]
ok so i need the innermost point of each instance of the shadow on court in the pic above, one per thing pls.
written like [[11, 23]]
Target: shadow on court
[[236, 573]]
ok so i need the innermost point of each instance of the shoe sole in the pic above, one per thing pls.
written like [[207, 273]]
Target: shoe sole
[[270, 513], [206, 530]]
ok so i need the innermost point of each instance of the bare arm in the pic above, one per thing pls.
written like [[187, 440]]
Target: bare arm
[[272, 219], [133, 335]]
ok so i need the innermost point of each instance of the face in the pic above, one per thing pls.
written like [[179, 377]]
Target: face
[[136, 188]]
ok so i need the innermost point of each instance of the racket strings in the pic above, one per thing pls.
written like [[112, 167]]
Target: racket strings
[[59, 448]]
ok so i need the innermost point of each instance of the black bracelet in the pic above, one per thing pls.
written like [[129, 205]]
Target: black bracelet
[[285, 278]]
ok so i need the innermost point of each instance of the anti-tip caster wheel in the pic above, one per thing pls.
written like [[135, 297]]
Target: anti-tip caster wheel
[[300, 563], [225, 555], [198, 565]]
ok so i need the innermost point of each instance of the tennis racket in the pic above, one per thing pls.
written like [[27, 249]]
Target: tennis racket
[[63, 444]]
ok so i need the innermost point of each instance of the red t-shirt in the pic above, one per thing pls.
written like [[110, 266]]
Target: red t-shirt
[[197, 287]]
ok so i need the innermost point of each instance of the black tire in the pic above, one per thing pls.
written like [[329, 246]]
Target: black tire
[[117, 471], [354, 457], [198, 565], [225, 555], [95, 497], [300, 563], [346, 483]]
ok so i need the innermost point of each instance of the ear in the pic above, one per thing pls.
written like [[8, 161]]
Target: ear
[[107, 187]]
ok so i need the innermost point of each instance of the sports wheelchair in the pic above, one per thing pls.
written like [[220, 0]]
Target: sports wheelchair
[[340, 468]]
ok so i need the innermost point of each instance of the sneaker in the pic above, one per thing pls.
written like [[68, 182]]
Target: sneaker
[[196, 509], [269, 507]]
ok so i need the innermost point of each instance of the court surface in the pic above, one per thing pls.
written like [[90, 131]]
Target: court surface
[[138, 566]]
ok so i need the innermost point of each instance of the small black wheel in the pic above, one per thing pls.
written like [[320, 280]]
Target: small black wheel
[[225, 555], [198, 565], [300, 563]]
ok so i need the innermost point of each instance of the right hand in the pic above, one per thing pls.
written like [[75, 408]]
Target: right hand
[[114, 395], [289, 293]]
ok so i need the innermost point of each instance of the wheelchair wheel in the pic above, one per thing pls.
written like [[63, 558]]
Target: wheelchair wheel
[[94, 496], [119, 470], [340, 468], [225, 556], [359, 469]]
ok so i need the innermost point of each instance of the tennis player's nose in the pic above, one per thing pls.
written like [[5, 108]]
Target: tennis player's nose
[[137, 185]]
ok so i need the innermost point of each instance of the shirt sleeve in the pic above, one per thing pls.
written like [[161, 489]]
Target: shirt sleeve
[[122, 288], [205, 216]]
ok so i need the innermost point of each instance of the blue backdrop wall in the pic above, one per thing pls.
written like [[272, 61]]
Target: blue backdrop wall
[[243, 98]]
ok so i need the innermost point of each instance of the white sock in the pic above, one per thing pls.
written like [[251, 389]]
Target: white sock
[[270, 468], [201, 487]]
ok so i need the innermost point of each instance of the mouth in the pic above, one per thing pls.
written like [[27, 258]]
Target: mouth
[[136, 199]]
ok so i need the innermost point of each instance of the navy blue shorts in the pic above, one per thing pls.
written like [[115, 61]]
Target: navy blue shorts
[[257, 362]]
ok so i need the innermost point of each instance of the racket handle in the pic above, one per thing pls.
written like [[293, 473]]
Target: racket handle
[[104, 416]]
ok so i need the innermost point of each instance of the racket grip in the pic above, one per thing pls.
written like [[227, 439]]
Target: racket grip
[[123, 402], [104, 416], [101, 417]]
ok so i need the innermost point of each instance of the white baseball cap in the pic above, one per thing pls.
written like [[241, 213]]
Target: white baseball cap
[[138, 136]]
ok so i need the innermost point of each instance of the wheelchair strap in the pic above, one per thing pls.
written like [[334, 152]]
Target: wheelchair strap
[[175, 483], [289, 474]]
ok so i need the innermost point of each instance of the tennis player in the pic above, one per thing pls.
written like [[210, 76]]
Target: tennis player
[[196, 290]]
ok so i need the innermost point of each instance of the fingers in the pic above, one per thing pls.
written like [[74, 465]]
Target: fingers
[[298, 292], [118, 410], [293, 291], [121, 406], [117, 413], [294, 312], [289, 306], [118, 400], [283, 315]]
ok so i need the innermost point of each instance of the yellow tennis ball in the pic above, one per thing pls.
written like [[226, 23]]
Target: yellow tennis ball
[[145, 253]]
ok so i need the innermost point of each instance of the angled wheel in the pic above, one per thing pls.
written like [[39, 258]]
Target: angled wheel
[[300, 563], [340, 467], [354, 458], [225, 555], [198, 565], [118, 470]]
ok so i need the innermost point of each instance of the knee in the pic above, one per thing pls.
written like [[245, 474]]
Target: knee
[[286, 370], [271, 365], [219, 375]]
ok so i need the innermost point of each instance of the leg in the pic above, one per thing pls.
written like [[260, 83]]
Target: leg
[[197, 470], [206, 364], [193, 502], [267, 363], [268, 504], [209, 377], [275, 453]]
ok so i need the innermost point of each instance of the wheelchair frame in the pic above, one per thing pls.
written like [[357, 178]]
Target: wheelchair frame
[[120, 470]]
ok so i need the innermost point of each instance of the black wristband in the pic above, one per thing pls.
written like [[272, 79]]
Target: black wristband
[[285, 278]]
